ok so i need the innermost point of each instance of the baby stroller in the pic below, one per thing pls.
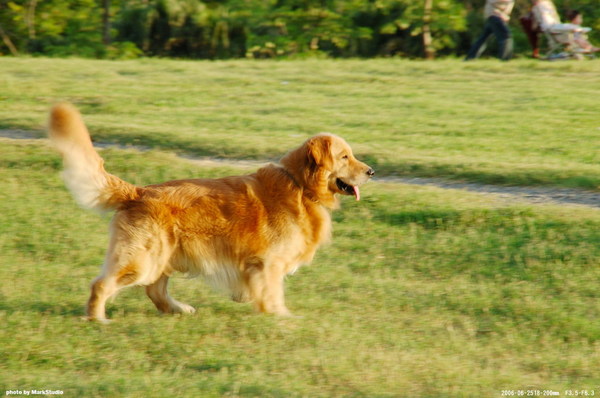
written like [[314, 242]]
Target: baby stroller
[[562, 38]]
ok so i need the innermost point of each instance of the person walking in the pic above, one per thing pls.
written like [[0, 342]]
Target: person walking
[[497, 15]]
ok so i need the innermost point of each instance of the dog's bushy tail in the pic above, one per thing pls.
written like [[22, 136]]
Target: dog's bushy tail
[[84, 174]]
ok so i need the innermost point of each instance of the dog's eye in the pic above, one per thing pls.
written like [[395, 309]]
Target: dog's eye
[[345, 157]]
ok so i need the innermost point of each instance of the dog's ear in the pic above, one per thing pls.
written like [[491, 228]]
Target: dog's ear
[[320, 162], [319, 151], [310, 166]]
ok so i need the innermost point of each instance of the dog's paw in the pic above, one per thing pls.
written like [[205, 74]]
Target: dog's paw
[[283, 312], [182, 308], [289, 315], [102, 321]]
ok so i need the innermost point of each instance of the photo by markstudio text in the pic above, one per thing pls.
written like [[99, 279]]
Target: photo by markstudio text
[[33, 392]]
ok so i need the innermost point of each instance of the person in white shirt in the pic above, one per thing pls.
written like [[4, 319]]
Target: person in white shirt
[[497, 15], [571, 33]]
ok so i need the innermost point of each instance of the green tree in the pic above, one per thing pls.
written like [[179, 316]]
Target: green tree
[[54, 27], [254, 28]]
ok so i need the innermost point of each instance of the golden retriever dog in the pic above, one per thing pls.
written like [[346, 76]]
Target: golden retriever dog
[[243, 233]]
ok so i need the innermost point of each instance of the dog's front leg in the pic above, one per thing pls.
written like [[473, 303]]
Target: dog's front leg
[[265, 284]]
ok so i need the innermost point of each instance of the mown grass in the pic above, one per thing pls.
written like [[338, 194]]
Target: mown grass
[[422, 293], [523, 122]]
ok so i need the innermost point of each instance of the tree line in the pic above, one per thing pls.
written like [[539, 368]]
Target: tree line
[[221, 29]]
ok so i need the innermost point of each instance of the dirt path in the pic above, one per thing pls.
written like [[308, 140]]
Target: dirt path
[[537, 195]]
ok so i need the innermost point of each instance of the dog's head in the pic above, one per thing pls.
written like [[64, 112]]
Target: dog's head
[[324, 166]]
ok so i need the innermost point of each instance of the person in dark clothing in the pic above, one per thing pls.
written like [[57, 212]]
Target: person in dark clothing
[[497, 15]]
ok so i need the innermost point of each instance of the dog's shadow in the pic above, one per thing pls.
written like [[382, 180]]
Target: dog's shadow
[[77, 310], [428, 219], [63, 310], [42, 307]]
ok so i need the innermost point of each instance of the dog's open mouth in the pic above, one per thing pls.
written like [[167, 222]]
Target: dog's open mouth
[[348, 189]]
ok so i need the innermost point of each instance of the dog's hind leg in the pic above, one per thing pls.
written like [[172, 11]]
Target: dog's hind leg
[[127, 263], [102, 289], [116, 275], [159, 295]]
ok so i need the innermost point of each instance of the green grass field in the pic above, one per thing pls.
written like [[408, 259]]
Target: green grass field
[[526, 122], [423, 292]]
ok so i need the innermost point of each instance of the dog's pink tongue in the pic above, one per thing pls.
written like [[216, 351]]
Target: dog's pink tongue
[[356, 192]]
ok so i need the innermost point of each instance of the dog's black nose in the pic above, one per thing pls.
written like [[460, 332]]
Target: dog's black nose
[[370, 172]]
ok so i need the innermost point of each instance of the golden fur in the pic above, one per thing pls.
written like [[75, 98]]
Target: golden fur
[[242, 233]]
